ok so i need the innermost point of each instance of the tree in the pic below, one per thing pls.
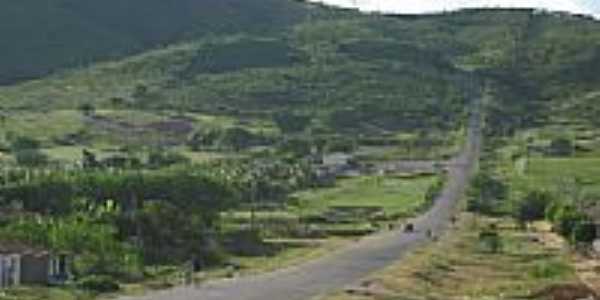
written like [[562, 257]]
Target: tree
[[140, 92], [202, 139], [491, 241], [561, 147], [159, 158], [236, 138], [290, 122], [568, 219], [572, 221], [24, 143], [31, 158], [341, 144], [89, 160], [297, 146], [534, 206], [486, 194], [87, 109], [117, 102]]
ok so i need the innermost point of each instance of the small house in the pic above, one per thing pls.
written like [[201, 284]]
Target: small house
[[21, 264]]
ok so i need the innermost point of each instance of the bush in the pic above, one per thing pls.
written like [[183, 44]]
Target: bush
[[561, 147], [486, 194], [550, 270], [341, 144], [573, 224], [584, 232], [291, 123], [238, 138], [434, 191], [87, 109], [159, 159], [533, 207], [31, 158], [491, 241], [24, 143], [99, 284]]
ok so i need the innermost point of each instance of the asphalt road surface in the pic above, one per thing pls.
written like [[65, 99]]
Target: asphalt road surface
[[346, 266]]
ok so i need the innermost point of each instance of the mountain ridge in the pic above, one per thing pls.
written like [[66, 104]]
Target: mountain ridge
[[580, 7]]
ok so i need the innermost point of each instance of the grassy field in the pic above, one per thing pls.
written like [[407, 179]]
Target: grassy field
[[526, 172], [63, 134], [456, 267], [42, 125], [44, 293], [397, 196], [547, 171]]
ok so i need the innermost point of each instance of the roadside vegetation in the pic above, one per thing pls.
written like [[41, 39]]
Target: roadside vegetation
[[242, 149], [469, 263]]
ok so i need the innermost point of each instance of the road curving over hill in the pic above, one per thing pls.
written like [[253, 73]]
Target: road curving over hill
[[346, 266]]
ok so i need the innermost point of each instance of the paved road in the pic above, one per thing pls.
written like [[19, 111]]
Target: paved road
[[349, 265]]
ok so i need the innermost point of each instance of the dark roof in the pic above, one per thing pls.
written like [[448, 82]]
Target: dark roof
[[12, 247]]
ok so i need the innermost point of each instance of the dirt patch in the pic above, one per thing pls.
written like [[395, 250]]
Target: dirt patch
[[588, 271], [569, 291], [550, 239]]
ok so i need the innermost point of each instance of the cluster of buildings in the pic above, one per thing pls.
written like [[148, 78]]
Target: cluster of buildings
[[25, 265]]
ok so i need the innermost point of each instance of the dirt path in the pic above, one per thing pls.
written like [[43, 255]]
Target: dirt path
[[346, 266]]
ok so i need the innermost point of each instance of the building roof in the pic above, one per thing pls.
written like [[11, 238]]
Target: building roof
[[13, 247]]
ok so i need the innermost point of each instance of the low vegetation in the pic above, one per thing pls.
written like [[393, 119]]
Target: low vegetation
[[466, 264]]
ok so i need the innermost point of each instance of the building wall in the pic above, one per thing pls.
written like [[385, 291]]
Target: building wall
[[10, 270], [35, 269]]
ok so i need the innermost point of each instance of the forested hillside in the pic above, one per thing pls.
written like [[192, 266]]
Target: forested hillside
[[372, 78], [40, 37]]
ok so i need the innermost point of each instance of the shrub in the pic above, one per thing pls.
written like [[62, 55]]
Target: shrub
[[533, 207], [87, 109], [291, 123], [237, 138], [159, 159], [561, 147], [486, 194], [573, 224], [24, 143], [341, 144], [434, 191], [99, 284], [31, 158], [584, 232], [550, 270], [491, 241]]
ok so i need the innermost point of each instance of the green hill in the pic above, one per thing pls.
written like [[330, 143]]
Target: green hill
[[370, 78], [43, 37]]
